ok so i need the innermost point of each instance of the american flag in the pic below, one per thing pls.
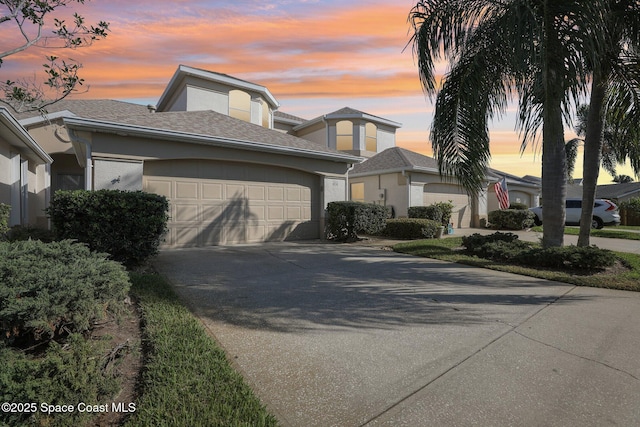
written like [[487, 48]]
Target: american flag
[[503, 193]]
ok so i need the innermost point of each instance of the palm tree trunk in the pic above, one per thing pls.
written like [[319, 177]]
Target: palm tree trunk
[[592, 156], [554, 158]]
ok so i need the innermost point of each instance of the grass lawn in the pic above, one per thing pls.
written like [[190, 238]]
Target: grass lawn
[[447, 250], [618, 232], [187, 379]]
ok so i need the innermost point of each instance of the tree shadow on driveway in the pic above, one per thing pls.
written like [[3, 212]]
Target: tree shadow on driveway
[[293, 287]]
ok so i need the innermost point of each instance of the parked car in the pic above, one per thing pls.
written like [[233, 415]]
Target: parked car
[[605, 212]]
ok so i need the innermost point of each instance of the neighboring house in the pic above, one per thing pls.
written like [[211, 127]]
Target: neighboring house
[[618, 192], [401, 178], [615, 192], [24, 173]]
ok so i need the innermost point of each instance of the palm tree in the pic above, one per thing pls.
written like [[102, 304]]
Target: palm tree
[[622, 179], [613, 112], [498, 49], [609, 154]]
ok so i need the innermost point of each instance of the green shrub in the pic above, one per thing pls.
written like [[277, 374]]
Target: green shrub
[[518, 206], [411, 228], [127, 225], [5, 210], [572, 257], [631, 205], [63, 375], [507, 247], [630, 211], [476, 240], [27, 232], [346, 219], [47, 289], [503, 250], [511, 219], [440, 212]]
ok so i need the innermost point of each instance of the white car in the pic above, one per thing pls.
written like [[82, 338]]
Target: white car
[[605, 212]]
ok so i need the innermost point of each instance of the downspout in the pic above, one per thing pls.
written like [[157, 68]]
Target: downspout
[[408, 178], [349, 169], [88, 164]]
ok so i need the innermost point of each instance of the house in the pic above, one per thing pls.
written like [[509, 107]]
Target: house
[[24, 173], [401, 178]]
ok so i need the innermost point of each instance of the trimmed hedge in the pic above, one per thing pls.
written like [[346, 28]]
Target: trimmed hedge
[[346, 219], [50, 289], [4, 219], [411, 228], [127, 225], [511, 219], [507, 247], [440, 212]]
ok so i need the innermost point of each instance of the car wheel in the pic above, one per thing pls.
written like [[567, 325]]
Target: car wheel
[[537, 221], [597, 223]]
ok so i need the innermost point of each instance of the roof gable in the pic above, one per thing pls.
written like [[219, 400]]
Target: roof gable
[[395, 159], [184, 71]]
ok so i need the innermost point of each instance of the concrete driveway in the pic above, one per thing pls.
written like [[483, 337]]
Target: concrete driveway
[[348, 335]]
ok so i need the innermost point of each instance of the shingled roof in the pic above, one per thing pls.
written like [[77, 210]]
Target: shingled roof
[[109, 114], [395, 159], [106, 109]]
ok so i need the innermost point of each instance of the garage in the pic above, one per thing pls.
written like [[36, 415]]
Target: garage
[[442, 192], [216, 203]]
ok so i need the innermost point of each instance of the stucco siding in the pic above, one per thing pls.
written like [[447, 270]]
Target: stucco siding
[[115, 174]]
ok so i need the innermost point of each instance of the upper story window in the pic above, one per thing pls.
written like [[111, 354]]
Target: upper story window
[[240, 105], [266, 117], [371, 137], [344, 135]]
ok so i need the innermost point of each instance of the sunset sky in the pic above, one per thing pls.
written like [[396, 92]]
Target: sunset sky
[[314, 56]]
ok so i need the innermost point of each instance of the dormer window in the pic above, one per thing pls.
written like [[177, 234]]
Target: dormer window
[[371, 137], [240, 105], [344, 135]]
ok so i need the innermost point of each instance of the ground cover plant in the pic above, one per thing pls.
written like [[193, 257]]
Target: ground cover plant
[[624, 274], [52, 295]]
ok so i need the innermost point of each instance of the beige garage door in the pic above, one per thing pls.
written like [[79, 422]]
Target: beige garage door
[[434, 193], [215, 203]]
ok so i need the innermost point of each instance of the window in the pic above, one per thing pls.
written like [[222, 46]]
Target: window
[[344, 135], [357, 192], [240, 105], [371, 137], [266, 117]]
